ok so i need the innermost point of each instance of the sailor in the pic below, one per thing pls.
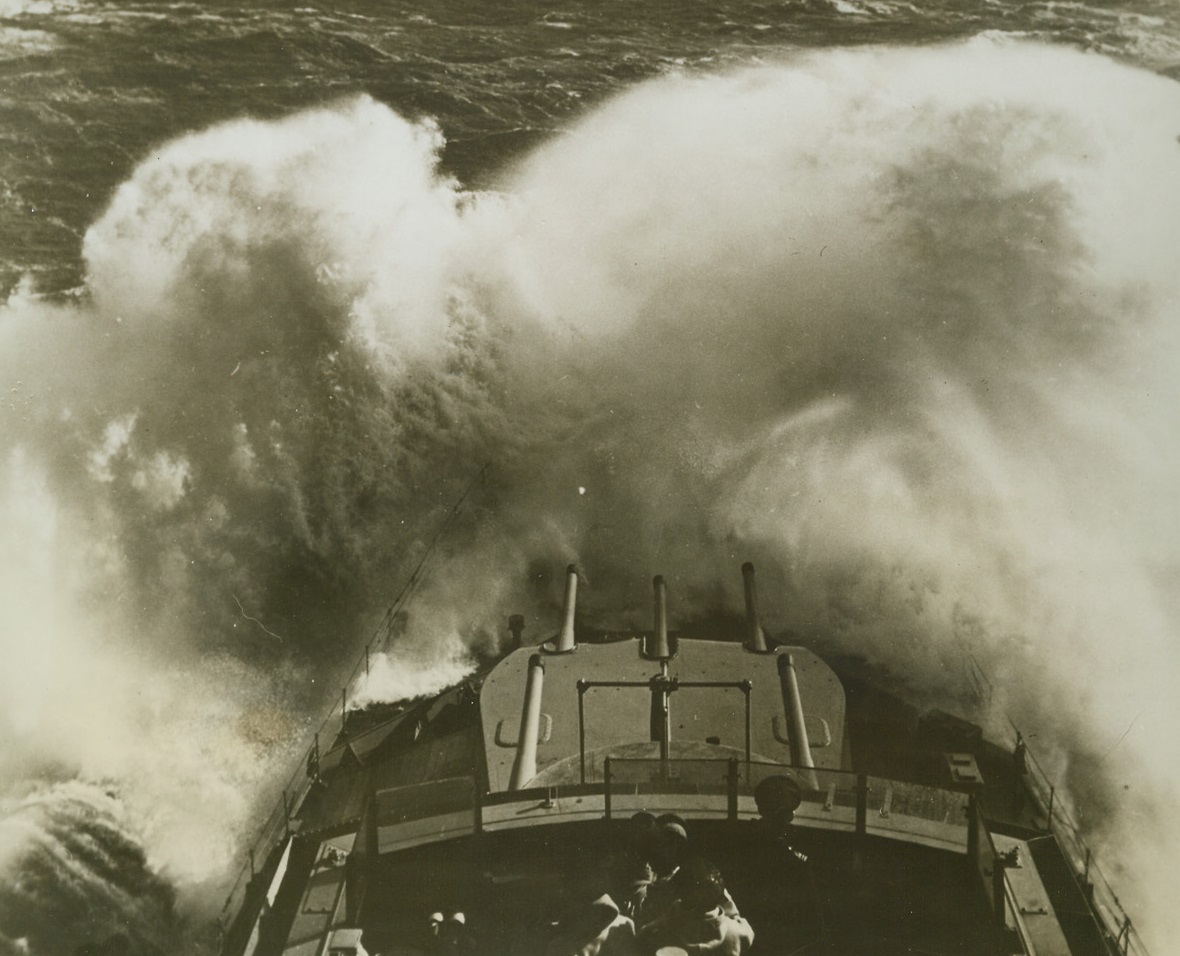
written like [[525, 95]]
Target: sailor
[[670, 844], [788, 888], [697, 922], [641, 831], [670, 853], [630, 877], [668, 849], [641, 836], [777, 799]]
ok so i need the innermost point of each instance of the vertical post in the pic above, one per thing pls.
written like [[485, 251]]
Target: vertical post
[[524, 767], [1052, 795], [366, 660], [665, 719], [476, 806], [565, 640], [606, 784], [286, 816], [661, 723], [755, 636], [253, 872], [747, 686], [731, 789], [582, 686], [862, 804]]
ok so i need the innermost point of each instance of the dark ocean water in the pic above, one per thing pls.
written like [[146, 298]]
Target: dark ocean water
[[881, 295], [89, 89]]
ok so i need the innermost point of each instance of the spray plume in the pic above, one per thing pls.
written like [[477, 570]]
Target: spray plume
[[899, 325]]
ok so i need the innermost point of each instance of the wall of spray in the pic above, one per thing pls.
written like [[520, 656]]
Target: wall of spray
[[898, 325]]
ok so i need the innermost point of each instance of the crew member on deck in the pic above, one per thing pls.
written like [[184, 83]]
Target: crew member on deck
[[630, 878], [670, 853], [668, 847], [697, 921], [786, 901]]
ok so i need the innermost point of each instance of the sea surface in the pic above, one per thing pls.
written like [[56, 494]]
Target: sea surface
[[89, 89], [880, 294]]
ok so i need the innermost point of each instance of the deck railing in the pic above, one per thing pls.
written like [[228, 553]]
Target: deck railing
[[855, 803], [840, 800], [260, 856], [1123, 938], [1059, 818]]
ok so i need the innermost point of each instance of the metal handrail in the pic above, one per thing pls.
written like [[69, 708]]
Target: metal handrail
[[735, 778], [730, 782], [658, 684], [1060, 822]]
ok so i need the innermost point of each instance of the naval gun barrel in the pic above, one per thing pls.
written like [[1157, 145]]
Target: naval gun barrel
[[565, 640], [516, 628], [755, 636], [796, 724], [524, 767], [661, 650]]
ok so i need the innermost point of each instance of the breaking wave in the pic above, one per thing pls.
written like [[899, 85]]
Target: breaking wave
[[899, 325]]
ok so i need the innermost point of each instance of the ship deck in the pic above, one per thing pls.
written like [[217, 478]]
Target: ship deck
[[850, 896], [408, 818]]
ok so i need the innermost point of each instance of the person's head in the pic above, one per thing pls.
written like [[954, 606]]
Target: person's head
[[641, 834], [777, 794], [670, 819], [628, 871], [671, 844], [777, 799], [642, 822]]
